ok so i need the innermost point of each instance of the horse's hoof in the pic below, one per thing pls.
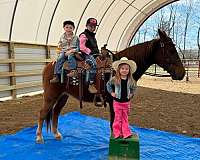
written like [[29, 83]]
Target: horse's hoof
[[58, 136], [39, 140]]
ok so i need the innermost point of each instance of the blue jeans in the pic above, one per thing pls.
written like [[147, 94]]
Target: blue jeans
[[92, 72], [60, 61]]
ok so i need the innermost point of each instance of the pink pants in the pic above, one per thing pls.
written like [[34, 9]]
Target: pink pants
[[121, 125]]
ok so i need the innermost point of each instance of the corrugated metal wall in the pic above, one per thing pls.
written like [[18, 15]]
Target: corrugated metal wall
[[29, 61]]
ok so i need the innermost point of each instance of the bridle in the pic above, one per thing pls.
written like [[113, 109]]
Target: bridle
[[162, 46]]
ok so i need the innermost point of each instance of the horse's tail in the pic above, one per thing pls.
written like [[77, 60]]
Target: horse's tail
[[47, 74], [48, 120]]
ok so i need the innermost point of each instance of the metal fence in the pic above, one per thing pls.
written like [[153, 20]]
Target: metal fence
[[192, 68], [21, 67]]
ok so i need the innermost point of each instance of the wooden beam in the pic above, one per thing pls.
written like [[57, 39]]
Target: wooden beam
[[11, 54], [20, 86], [20, 73], [5, 61]]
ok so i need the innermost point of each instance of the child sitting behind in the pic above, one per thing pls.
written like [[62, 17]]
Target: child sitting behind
[[69, 44], [122, 87]]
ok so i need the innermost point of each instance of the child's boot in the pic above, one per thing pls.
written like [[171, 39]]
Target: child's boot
[[72, 73], [92, 88], [55, 79]]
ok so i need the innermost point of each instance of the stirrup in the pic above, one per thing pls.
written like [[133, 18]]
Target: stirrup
[[98, 103]]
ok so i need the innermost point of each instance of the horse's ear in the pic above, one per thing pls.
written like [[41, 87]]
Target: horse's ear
[[162, 34]]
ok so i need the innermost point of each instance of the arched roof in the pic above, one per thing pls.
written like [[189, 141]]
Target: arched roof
[[40, 21]]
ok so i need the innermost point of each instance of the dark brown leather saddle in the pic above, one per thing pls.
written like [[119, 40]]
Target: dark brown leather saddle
[[78, 87]]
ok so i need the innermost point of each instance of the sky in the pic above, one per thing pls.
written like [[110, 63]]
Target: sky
[[180, 9]]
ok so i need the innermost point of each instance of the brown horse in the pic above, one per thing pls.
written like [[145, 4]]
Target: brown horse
[[160, 51]]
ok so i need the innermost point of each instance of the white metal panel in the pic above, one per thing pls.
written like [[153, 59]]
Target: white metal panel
[[32, 18], [41, 34], [6, 12], [28, 90], [4, 51], [109, 20], [26, 20], [96, 9], [53, 54], [29, 67], [5, 94], [30, 53], [28, 79], [138, 4], [119, 28], [4, 81], [4, 67], [129, 1], [67, 10]]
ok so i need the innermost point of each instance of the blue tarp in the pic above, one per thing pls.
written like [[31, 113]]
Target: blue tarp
[[87, 138]]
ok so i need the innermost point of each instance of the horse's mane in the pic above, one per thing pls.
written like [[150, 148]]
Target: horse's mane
[[142, 54], [139, 52]]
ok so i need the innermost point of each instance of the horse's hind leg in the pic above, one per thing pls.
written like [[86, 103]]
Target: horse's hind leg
[[41, 117], [56, 111]]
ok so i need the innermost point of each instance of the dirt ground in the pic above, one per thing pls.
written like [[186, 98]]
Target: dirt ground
[[160, 104]]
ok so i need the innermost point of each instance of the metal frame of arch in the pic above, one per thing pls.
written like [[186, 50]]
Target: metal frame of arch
[[125, 36]]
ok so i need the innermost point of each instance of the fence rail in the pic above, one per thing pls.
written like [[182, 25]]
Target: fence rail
[[21, 67], [192, 68]]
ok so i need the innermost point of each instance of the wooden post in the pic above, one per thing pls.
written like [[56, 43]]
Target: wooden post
[[48, 49], [199, 70], [187, 74], [155, 69], [11, 54]]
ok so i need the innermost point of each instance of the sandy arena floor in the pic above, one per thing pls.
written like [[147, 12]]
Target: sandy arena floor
[[159, 103]]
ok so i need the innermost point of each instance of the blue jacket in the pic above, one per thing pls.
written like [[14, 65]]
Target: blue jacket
[[131, 87]]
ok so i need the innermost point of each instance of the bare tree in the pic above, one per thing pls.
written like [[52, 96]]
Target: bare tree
[[167, 23], [188, 12], [138, 41], [198, 43], [145, 33]]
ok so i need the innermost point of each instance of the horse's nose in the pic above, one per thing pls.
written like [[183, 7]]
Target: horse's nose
[[178, 74]]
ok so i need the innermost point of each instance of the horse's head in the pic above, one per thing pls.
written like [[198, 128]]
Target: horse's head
[[167, 57]]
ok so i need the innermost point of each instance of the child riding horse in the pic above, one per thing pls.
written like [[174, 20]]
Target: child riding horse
[[160, 51]]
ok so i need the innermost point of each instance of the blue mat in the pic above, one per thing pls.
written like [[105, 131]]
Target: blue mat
[[87, 138]]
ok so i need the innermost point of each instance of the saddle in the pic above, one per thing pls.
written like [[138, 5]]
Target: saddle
[[77, 84]]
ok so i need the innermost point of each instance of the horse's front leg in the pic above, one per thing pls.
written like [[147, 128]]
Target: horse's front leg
[[112, 113], [56, 112]]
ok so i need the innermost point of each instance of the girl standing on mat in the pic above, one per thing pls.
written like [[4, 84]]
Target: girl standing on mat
[[122, 88]]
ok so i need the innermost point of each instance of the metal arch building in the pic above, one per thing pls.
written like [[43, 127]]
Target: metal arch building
[[30, 30], [40, 21]]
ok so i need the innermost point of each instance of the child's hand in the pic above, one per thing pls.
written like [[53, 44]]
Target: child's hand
[[113, 94], [131, 96], [73, 50], [67, 53]]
